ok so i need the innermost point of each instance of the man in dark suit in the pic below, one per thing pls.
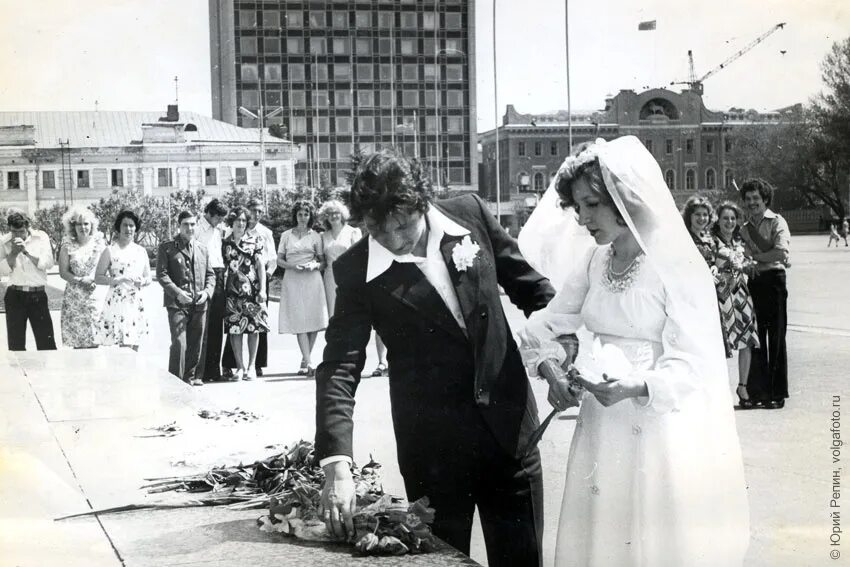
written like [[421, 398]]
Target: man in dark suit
[[188, 282], [427, 279]]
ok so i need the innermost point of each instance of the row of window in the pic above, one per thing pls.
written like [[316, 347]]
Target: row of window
[[522, 149], [342, 72], [370, 125], [538, 148], [537, 182], [249, 45], [689, 146], [452, 152], [343, 19], [164, 177], [690, 179], [408, 98]]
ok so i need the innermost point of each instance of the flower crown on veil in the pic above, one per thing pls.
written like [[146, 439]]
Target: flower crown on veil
[[573, 164]]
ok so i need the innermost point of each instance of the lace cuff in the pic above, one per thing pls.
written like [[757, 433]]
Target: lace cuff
[[545, 350]]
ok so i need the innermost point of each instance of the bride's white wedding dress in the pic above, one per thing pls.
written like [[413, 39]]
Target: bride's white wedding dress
[[654, 481]]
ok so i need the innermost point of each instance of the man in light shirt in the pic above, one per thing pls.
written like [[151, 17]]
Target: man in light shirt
[[427, 279], [768, 242], [255, 207], [26, 255], [208, 232]]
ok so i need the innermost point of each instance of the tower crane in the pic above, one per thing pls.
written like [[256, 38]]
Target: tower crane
[[695, 83]]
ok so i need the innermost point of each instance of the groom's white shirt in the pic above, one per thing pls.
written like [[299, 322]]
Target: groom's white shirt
[[433, 265]]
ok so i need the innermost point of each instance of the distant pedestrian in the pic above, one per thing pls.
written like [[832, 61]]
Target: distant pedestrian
[[26, 255], [245, 292], [78, 260], [188, 282], [256, 210], [768, 242], [209, 233], [303, 306], [833, 235], [124, 266], [844, 231]]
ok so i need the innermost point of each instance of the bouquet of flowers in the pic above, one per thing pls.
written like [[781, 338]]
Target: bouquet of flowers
[[383, 524]]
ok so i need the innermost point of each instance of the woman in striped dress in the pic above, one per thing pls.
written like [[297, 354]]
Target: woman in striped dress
[[736, 303]]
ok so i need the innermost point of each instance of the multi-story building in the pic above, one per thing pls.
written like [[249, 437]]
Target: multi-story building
[[694, 146], [79, 157], [352, 74]]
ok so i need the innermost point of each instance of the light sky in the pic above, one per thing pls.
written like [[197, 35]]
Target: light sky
[[61, 55]]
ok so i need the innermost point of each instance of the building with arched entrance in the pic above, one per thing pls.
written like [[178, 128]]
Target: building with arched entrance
[[694, 146]]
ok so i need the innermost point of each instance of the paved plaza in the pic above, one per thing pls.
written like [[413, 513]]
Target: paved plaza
[[787, 453]]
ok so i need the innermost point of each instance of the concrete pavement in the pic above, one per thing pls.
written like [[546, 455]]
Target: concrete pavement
[[787, 453]]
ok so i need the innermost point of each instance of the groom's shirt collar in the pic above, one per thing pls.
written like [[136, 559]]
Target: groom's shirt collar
[[380, 259]]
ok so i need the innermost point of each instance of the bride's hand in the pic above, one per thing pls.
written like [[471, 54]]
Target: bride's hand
[[614, 390]]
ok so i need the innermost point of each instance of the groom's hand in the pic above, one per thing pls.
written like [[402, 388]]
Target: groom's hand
[[560, 395], [338, 500]]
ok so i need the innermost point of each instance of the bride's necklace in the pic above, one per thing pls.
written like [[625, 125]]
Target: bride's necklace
[[618, 282]]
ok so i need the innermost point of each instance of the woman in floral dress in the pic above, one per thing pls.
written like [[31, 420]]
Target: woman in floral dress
[[244, 291], [124, 266], [736, 304], [78, 259]]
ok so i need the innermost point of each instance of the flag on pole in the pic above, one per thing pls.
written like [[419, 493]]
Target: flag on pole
[[648, 25]]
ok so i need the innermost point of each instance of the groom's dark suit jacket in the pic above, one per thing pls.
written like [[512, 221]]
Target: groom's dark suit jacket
[[441, 379]]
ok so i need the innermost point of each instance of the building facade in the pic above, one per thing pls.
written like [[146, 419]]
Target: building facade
[[352, 74], [694, 146], [79, 157]]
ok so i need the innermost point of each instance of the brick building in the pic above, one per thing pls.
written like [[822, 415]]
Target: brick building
[[352, 73], [693, 145]]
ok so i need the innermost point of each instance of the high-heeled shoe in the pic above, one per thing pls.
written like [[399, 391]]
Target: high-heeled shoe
[[744, 401]]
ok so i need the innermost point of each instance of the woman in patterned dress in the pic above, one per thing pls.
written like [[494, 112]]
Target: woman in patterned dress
[[78, 259], [244, 291], [697, 215], [303, 305], [736, 303], [124, 266]]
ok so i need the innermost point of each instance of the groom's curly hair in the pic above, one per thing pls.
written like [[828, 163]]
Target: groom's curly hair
[[386, 182]]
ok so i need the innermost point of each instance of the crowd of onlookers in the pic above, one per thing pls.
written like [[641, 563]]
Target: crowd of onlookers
[[748, 257], [215, 274], [216, 281]]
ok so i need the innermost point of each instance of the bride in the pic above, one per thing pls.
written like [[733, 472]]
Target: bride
[[654, 476]]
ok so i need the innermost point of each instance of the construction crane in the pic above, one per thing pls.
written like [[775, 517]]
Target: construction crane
[[696, 84]]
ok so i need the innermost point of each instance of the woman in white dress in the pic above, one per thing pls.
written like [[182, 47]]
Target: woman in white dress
[[654, 476], [303, 305], [338, 237], [124, 266]]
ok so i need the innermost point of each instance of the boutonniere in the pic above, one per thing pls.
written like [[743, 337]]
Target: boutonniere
[[464, 253]]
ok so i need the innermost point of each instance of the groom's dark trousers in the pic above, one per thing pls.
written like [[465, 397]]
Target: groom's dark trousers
[[461, 403]]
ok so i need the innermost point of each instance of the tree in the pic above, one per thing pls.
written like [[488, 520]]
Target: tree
[[796, 158], [831, 113], [50, 221], [831, 109]]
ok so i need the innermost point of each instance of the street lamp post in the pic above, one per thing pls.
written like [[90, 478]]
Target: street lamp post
[[496, 125], [261, 117]]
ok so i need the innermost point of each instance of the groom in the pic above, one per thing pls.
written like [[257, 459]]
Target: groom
[[427, 279]]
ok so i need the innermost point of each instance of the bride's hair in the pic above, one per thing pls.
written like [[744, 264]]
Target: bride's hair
[[583, 163]]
